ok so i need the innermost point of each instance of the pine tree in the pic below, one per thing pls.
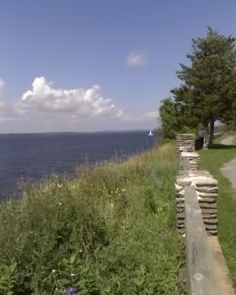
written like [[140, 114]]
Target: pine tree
[[168, 116], [208, 90]]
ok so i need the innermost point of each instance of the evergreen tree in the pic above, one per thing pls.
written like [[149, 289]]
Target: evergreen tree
[[173, 120], [168, 118], [208, 90]]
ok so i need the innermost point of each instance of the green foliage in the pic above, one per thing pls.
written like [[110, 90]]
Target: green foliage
[[209, 82], [169, 118], [72, 271], [208, 89], [225, 128], [110, 230], [7, 278], [173, 121]]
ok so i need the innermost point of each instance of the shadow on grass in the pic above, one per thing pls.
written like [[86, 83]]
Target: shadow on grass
[[222, 146]]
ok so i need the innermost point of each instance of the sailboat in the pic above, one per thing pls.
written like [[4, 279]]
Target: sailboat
[[150, 133]]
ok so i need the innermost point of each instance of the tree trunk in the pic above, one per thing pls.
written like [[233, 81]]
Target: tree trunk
[[211, 137], [206, 136]]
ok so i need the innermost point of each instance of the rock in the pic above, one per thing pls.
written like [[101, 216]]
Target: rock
[[207, 189], [208, 206], [210, 221], [206, 195], [206, 200]]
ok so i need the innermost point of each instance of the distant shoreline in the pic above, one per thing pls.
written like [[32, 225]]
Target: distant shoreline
[[76, 132]]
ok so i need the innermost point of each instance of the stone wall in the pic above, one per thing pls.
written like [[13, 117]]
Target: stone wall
[[193, 159], [206, 186], [185, 142]]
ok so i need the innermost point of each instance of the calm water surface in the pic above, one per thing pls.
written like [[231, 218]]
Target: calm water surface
[[34, 156]]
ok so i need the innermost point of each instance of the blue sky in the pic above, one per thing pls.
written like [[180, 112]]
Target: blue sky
[[130, 50]]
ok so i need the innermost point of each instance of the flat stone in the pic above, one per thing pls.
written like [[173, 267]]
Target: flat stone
[[206, 182], [211, 226], [179, 200], [180, 205], [206, 200], [207, 189], [180, 193], [209, 216], [208, 211], [207, 196], [206, 205], [210, 221]]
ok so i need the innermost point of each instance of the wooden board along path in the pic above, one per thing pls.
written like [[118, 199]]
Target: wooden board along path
[[201, 277]]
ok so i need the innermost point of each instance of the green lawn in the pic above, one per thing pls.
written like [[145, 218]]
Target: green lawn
[[212, 160]]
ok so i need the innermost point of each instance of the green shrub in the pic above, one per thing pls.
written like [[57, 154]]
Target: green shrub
[[7, 278]]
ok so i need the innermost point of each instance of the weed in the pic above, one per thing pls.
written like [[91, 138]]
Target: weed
[[110, 230]]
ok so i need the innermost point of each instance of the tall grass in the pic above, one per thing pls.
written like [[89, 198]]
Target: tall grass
[[110, 230]]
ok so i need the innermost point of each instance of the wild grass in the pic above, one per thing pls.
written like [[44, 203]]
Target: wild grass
[[110, 230], [212, 160]]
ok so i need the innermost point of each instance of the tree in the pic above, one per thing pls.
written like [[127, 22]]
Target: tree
[[168, 117], [208, 89], [172, 119]]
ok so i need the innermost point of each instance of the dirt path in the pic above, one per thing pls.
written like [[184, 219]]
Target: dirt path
[[229, 169], [228, 140]]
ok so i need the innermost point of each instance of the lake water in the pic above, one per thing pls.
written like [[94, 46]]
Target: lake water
[[34, 156]]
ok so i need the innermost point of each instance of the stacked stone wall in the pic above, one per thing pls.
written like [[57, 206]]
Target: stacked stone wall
[[193, 159], [206, 186], [207, 191], [185, 142]]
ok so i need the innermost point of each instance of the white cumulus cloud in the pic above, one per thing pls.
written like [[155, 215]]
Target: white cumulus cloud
[[136, 59], [75, 103], [44, 108]]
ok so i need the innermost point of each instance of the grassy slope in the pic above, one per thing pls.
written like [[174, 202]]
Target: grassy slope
[[111, 230], [212, 160]]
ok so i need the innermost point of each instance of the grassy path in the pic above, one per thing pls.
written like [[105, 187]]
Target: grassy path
[[229, 171], [228, 140], [229, 168], [213, 160]]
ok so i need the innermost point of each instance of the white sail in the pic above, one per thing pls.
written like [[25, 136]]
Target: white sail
[[150, 133]]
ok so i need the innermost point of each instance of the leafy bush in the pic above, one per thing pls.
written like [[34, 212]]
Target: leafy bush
[[7, 278]]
